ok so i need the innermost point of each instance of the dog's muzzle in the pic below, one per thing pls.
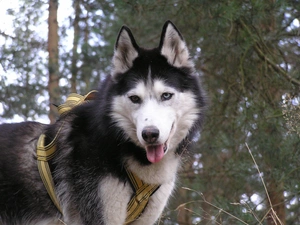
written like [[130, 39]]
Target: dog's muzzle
[[155, 151]]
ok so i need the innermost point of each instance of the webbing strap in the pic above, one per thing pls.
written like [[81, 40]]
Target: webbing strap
[[141, 197], [73, 100], [143, 191], [45, 153]]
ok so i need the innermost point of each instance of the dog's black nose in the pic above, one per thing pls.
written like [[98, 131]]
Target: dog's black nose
[[150, 134]]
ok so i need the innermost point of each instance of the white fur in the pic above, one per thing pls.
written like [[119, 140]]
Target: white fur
[[156, 204], [153, 111], [180, 112], [114, 197], [173, 117], [174, 49]]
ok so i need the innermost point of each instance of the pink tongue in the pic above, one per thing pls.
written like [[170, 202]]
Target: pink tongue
[[155, 153]]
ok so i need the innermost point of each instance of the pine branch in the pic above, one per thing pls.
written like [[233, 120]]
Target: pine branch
[[264, 57], [277, 68], [6, 35]]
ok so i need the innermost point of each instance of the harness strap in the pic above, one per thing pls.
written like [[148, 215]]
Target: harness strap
[[143, 191], [46, 153], [75, 99], [139, 201]]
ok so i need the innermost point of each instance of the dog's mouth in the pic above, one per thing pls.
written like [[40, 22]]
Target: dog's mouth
[[155, 153]]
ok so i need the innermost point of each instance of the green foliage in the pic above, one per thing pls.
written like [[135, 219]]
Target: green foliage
[[242, 51], [247, 53], [23, 62]]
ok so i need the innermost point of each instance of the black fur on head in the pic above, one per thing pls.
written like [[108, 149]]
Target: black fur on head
[[172, 46]]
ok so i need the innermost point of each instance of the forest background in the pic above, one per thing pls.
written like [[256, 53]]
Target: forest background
[[246, 166]]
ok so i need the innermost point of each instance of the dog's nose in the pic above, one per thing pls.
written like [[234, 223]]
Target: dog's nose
[[150, 134]]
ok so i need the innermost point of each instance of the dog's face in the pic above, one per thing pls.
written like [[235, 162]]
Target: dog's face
[[155, 107]]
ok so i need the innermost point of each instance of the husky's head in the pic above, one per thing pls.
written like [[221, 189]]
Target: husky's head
[[158, 97]]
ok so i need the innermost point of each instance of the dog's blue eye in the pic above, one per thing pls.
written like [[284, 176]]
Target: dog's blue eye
[[135, 99], [166, 96]]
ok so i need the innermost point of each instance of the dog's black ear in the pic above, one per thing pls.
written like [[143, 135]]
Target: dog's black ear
[[126, 50], [173, 47]]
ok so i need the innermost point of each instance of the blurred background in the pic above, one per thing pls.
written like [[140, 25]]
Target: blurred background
[[246, 165]]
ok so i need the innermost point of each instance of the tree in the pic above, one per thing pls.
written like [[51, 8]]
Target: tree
[[247, 53], [23, 63], [75, 46], [53, 83], [92, 50]]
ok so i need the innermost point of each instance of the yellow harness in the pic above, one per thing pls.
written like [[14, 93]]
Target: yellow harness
[[139, 201], [143, 191]]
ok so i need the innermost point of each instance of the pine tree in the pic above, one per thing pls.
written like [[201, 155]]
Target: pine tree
[[23, 78], [247, 54], [53, 68]]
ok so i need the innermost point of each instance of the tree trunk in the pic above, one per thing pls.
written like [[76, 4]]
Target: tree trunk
[[86, 67], [53, 85], [74, 68], [275, 191]]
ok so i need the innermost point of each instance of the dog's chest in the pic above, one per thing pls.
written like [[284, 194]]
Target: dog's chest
[[115, 195]]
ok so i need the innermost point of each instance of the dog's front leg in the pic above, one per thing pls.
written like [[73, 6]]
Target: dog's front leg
[[156, 204], [114, 196]]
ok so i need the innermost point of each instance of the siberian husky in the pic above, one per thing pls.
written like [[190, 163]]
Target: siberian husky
[[143, 119]]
